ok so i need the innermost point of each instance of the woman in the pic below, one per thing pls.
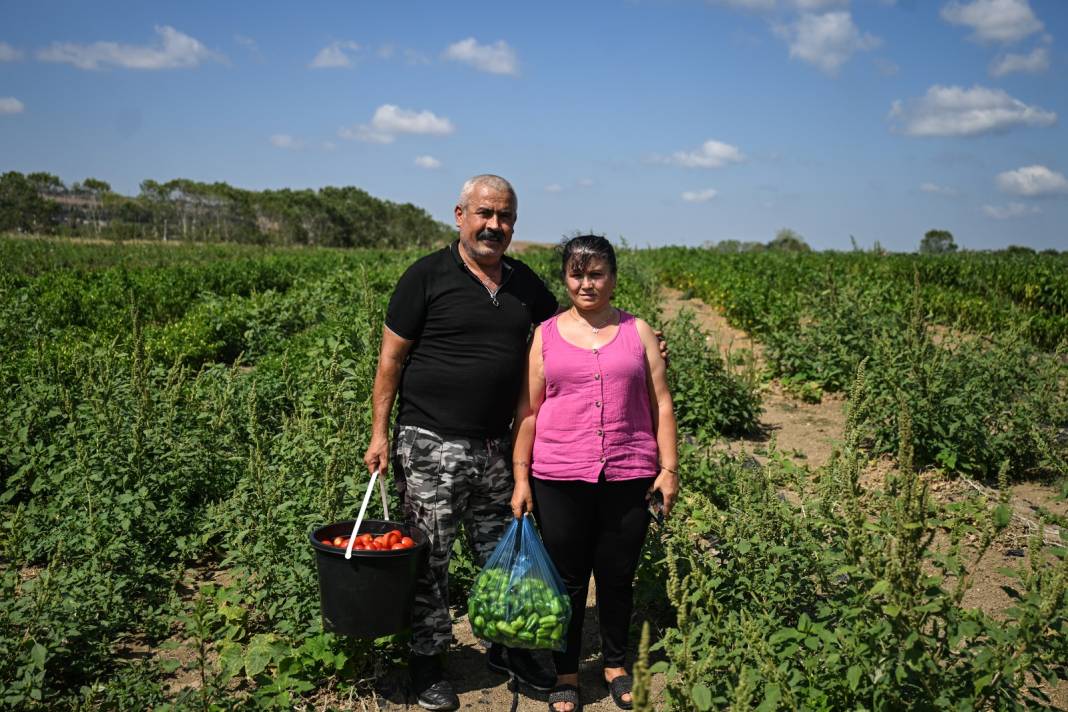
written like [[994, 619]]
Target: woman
[[594, 444]]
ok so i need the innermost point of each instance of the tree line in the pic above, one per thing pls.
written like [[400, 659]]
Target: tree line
[[182, 209]]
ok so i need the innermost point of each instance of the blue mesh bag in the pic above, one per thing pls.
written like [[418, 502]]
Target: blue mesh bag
[[518, 599]]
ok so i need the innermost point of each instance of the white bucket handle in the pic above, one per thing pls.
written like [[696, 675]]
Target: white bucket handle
[[363, 509]]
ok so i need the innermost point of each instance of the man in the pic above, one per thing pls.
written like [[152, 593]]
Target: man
[[454, 347]]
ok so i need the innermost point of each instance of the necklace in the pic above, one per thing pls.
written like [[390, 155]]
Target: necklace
[[594, 329], [487, 282]]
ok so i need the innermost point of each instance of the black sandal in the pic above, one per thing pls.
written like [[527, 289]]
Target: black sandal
[[620, 686], [564, 693]]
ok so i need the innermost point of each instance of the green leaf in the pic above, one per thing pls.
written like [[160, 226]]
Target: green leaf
[[658, 667], [258, 654], [1002, 515], [853, 677], [881, 587], [37, 654], [702, 696], [982, 682], [169, 665]]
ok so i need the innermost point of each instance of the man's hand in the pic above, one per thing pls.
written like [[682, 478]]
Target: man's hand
[[377, 455]]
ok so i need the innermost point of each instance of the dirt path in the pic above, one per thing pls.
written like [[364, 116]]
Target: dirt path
[[806, 432]]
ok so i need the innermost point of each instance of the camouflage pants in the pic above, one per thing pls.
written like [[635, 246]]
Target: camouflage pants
[[443, 483]]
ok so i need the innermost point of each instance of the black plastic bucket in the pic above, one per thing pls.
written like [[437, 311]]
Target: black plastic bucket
[[371, 594]]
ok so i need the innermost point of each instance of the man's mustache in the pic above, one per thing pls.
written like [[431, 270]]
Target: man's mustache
[[487, 234]]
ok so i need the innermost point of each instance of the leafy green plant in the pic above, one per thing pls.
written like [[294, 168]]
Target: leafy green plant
[[709, 397]]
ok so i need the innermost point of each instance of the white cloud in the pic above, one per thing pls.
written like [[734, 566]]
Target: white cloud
[[710, 154], [390, 120], [826, 41], [497, 58], [10, 105], [393, 119], [174, 50], [699, 196], [1012, 210], [428, 162], [994, 20], [286, 141], [553, 188], [936, 189], [1033, 63], [1033, 181], [335, 55], [955, 111], [9, 53]]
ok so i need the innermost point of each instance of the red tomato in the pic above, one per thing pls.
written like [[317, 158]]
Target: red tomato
[[398, 532], [340, 541], [398, 545], [380, 540], [365, 538], [408, 542], [326, 542]]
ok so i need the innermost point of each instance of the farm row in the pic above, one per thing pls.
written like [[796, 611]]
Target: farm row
[[173, 420]]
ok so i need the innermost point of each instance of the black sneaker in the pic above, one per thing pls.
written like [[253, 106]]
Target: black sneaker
[[522, 665], [433, 691], [439, 696]]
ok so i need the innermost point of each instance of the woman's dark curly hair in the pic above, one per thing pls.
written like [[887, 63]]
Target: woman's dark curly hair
[[578, 251]]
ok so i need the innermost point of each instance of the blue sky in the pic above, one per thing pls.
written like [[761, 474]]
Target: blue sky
[[659, 121]]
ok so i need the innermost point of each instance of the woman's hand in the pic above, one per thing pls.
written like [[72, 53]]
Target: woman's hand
[[667, 484], [522, 499]]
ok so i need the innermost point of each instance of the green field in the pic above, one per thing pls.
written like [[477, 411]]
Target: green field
[[174, 418]]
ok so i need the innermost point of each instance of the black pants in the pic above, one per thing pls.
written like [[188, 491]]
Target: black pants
[[598, 527]]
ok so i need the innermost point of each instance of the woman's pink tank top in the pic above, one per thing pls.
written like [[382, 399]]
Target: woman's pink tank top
[[596, 410]]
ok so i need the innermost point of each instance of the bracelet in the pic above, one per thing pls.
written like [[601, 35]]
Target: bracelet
[[522, 463], [665, 467]]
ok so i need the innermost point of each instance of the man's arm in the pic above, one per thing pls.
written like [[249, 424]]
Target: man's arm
[[387, 379]]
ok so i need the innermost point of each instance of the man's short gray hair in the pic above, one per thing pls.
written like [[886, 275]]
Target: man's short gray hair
[[490, 181]]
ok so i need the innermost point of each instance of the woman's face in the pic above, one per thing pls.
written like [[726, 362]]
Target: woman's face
[[590, 288]]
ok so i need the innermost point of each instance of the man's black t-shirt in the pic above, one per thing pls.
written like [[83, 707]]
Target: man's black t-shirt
[[464, 371]]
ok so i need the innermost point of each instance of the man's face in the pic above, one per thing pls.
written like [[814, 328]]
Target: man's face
[[486, 224]]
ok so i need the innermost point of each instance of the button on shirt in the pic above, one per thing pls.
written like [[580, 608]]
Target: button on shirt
[[595, 415]]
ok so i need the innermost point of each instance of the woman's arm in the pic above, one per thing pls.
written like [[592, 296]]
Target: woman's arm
[[531, 396], [663, 414]]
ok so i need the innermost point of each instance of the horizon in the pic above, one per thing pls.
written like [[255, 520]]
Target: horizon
[[689, 123]]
